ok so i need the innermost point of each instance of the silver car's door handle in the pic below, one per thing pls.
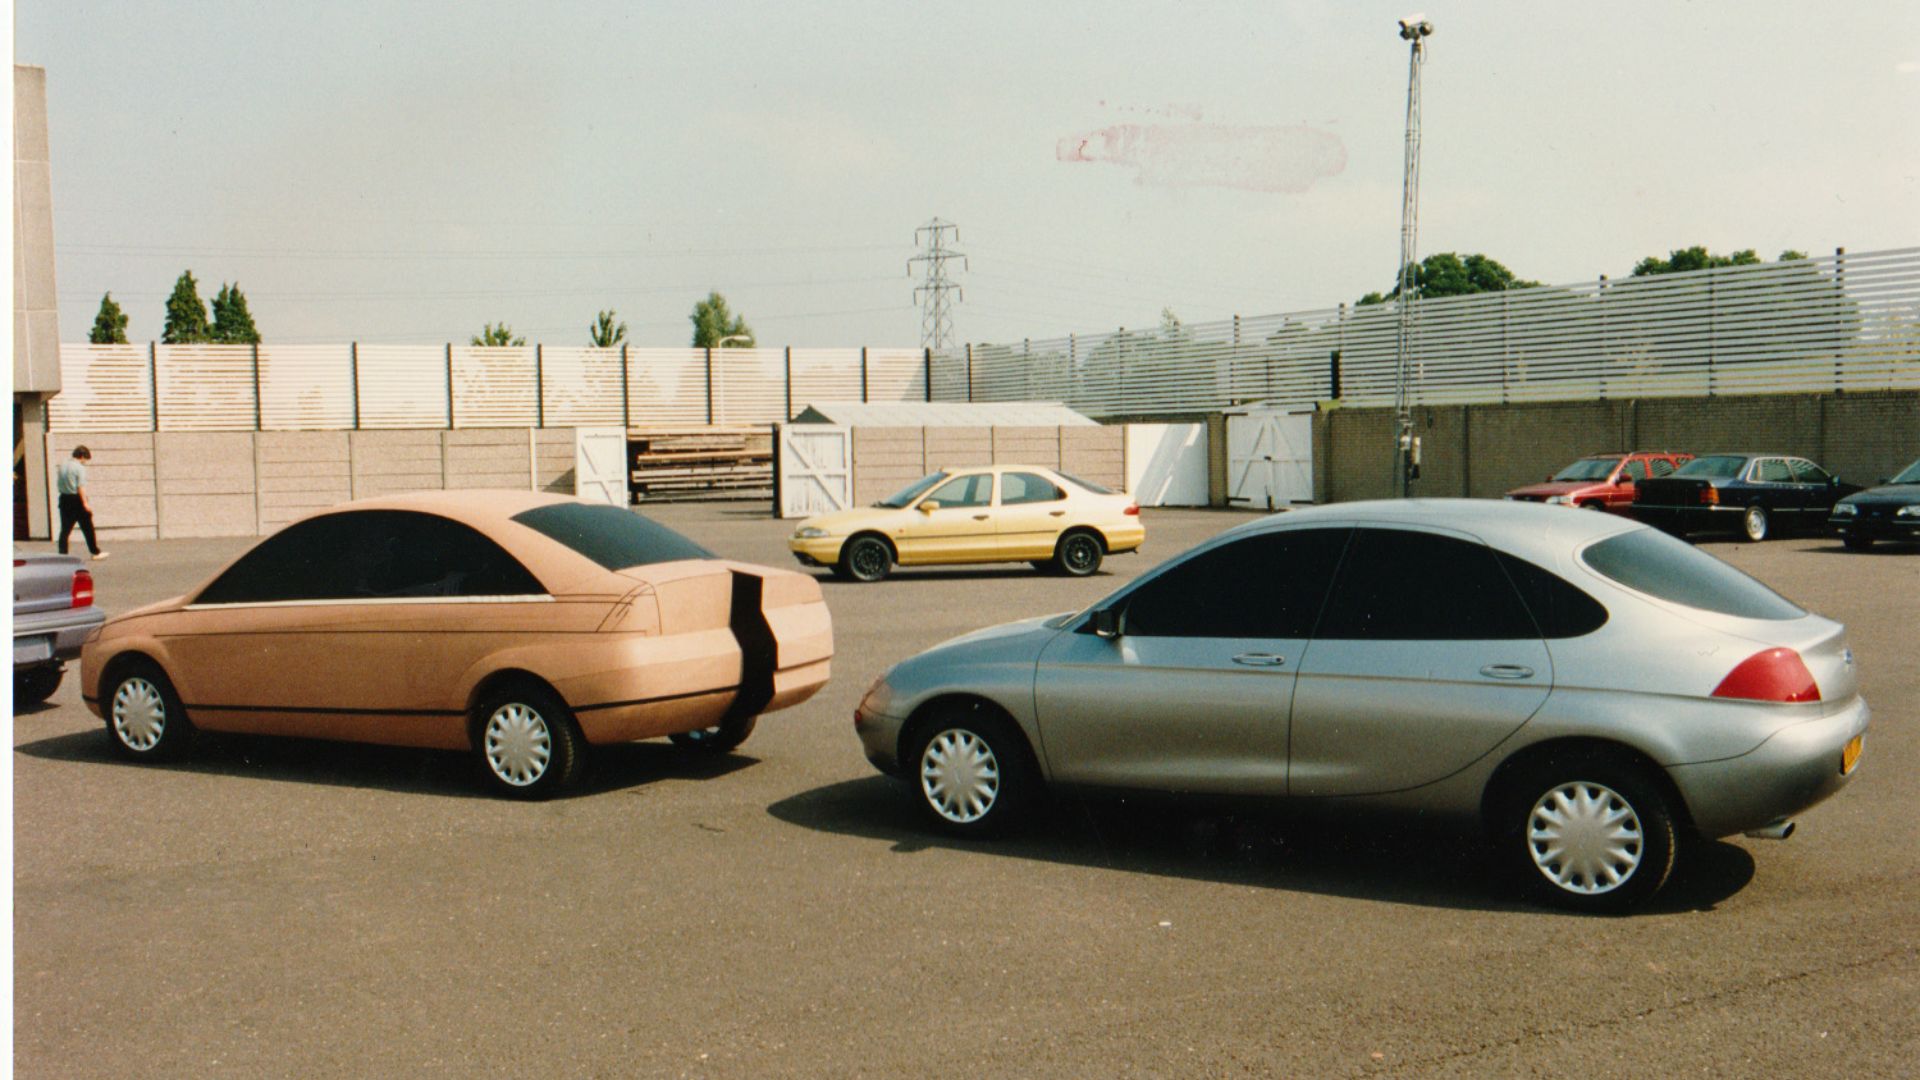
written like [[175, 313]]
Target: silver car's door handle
[[1507, 671], [1259, 659]]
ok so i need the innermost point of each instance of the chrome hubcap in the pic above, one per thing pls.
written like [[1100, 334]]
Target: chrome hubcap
[[1585, 838], [139, 714], [960, 776], [1756, 523], [518, 744]]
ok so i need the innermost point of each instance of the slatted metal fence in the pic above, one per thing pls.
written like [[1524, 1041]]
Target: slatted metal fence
[[1845, 322]]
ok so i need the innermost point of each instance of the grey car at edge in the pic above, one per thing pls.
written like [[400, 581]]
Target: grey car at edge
[[1588, 689], [53, 613]]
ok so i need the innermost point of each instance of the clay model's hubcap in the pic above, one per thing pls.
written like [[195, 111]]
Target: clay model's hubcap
[[139, 714], [1585, 838], [519, 744], [960, 776]]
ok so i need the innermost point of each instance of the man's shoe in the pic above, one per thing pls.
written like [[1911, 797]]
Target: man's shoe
[[98, 555]]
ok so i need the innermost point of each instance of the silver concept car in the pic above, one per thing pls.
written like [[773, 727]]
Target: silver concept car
[[1590, 689]]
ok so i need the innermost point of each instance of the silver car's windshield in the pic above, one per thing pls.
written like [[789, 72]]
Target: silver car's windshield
[[906, 495]]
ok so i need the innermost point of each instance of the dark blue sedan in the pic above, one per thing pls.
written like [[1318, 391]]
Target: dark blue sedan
[[1751, 495], [1888, 512]]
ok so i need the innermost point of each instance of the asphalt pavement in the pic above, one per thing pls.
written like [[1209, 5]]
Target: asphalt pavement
[[289, 908]]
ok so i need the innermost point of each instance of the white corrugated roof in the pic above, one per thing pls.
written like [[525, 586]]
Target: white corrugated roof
[[942, 414]]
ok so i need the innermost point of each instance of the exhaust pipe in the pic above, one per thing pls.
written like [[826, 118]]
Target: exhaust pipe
[[1779, 830]]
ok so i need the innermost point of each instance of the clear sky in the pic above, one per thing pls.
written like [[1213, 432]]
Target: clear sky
[[397, 172]]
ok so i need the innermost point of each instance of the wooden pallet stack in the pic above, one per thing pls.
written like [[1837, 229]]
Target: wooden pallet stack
[[707, 461]]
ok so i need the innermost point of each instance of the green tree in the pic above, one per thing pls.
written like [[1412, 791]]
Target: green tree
[[232, 322], [1681, 260], [1448, 274], [1790, 255], [493, 336], [605, 334], [110, 326], [186, 314], [713, 324]]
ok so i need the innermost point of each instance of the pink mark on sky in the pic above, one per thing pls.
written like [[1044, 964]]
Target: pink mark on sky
[[1277, 159]]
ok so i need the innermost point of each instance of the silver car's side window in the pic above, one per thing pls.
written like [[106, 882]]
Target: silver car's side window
[[1405, 585], [1269, 585]]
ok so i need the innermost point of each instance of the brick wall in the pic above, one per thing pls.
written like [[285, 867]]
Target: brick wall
[[300, 472], [489, 458], [206, 483], [1485, 450]]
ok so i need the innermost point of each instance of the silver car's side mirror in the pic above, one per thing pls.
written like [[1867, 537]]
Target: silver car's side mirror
[[1105, 623]]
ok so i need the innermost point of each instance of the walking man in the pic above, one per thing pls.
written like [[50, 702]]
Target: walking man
[[71, 479]]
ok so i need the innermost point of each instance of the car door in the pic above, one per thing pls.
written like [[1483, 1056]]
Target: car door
[[1194, 692], [1773, 488], [1031, 512], [358, 625], [1424, 660], [1619, 493], [953, 523], [1817, 490]]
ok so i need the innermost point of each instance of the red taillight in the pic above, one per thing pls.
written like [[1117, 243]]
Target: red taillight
[[1132, 510], [82, 589], [1774, 675], [1710, 495]]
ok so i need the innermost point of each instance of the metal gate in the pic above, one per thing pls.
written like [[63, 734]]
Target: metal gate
[[600, 464], [1270, 458], [813, 469]]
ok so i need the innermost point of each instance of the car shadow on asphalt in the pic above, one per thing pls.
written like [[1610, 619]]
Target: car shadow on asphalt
[[1883, 547], [1405, 861], [387, 768]]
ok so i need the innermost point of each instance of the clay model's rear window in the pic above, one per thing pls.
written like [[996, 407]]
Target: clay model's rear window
[[611, 536]]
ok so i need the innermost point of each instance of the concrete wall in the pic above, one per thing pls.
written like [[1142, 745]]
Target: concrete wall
[[1485, 450], [180, 484], [886, 459], [36, 302]]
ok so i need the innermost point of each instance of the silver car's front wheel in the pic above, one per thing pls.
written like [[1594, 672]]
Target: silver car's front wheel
[[1585, 838], [960, 776], [528, 742], [973, 770], [1593, 833]]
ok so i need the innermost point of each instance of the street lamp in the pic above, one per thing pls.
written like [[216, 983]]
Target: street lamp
[[1414, 29]]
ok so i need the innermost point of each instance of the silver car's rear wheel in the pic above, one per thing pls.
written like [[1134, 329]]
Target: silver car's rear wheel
[[145, 720], [1592, 832], [527, 741], [1585, 838], [972, 769]]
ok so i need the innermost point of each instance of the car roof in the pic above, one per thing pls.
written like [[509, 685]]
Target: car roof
[[1546, 534]]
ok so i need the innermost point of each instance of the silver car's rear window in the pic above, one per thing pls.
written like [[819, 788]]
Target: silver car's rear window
[[1654, 563]]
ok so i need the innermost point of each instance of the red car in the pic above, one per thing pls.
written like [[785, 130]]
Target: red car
[[1602, 481]]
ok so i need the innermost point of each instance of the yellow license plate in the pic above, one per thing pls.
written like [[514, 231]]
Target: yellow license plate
[[1850, 756]]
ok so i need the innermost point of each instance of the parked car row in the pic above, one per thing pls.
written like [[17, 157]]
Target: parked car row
[[1752, 495], [1589, 690]]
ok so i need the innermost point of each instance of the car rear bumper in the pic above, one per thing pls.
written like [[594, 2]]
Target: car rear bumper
[[52, 637], [1689, 518], [1797, 767]]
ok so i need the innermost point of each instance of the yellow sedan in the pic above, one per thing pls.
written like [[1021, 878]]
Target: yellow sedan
[[997, 513]]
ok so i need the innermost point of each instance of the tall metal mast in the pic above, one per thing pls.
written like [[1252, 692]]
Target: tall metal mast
[[1414, 29], [936, 313]]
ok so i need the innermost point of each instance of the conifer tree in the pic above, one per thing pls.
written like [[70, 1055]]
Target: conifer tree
[[110, 325], [186, 314], [232, 322]]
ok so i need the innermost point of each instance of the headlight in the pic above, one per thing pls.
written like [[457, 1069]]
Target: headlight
[[1908, 511], [1845, 510], [809, 532], [1560, 500]]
